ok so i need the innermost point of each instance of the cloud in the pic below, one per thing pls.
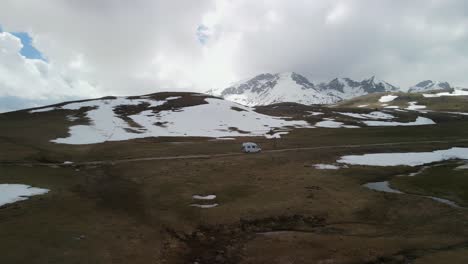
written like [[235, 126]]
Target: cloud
[[113, 47], [17, 73]]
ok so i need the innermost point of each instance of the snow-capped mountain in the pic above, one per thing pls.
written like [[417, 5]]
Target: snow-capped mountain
[[428, 85], [269, 88], [345, 88]]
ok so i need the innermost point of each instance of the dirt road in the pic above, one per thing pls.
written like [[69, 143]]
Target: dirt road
[[229, 154]]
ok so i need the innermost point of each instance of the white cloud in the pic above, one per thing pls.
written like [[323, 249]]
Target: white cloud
[[35, 79], [142, 46], [337, 14]]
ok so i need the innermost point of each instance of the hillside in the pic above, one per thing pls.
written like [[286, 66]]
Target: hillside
[[444, 102], [162, 177]]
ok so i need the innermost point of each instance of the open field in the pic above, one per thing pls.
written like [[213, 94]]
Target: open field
[[273, 207]]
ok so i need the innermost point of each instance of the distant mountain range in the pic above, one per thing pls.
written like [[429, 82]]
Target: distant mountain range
[[268, 88]]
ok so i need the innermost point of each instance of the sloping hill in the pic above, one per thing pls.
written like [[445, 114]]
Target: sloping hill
[[154, 115]]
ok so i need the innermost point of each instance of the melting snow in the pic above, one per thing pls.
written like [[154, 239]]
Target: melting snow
[[276, 135], [72, 118], [372, 115], [10, 193], [42, 110], [333, 124], [420, 121], [204, 197], [224, 138], [391, 107], [462, 167], [219, 120], [405, 158], [326, 167], [173, 98], [314, 113], [204, 206], [414, 106], [457, 113], [363, 105], [387, 98], [456, 92]]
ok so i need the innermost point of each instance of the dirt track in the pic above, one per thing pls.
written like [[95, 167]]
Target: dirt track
[[229, 154]]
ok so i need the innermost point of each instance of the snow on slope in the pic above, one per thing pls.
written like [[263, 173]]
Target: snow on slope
[[267, 89], [415, 106], [345, 88], [455, 92], [387, 98], [420, 121], [10, 193], [372, 115], [216, 118], [428, 85]]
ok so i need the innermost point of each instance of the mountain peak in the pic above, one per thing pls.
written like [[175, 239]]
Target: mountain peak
[[429, 85], [267, 88], [270, 88]]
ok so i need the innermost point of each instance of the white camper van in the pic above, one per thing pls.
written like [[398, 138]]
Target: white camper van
[[250, 147]]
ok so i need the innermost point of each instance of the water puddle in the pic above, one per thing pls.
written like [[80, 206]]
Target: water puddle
[[381, 187], [385, 187]]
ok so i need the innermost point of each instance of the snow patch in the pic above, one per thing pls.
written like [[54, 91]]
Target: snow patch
[[406, 158], [220, 121], [420, 121], [312, 113], [372, 115], [333, 124], [10, 193], [204, 206], [42, 110], [414, 106], [387, 98], [456, 92], [462, 167], [326, 167], [276, 135], [224, 138], [204, 197]]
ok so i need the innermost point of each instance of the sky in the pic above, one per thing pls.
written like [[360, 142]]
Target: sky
[[58, 50]]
